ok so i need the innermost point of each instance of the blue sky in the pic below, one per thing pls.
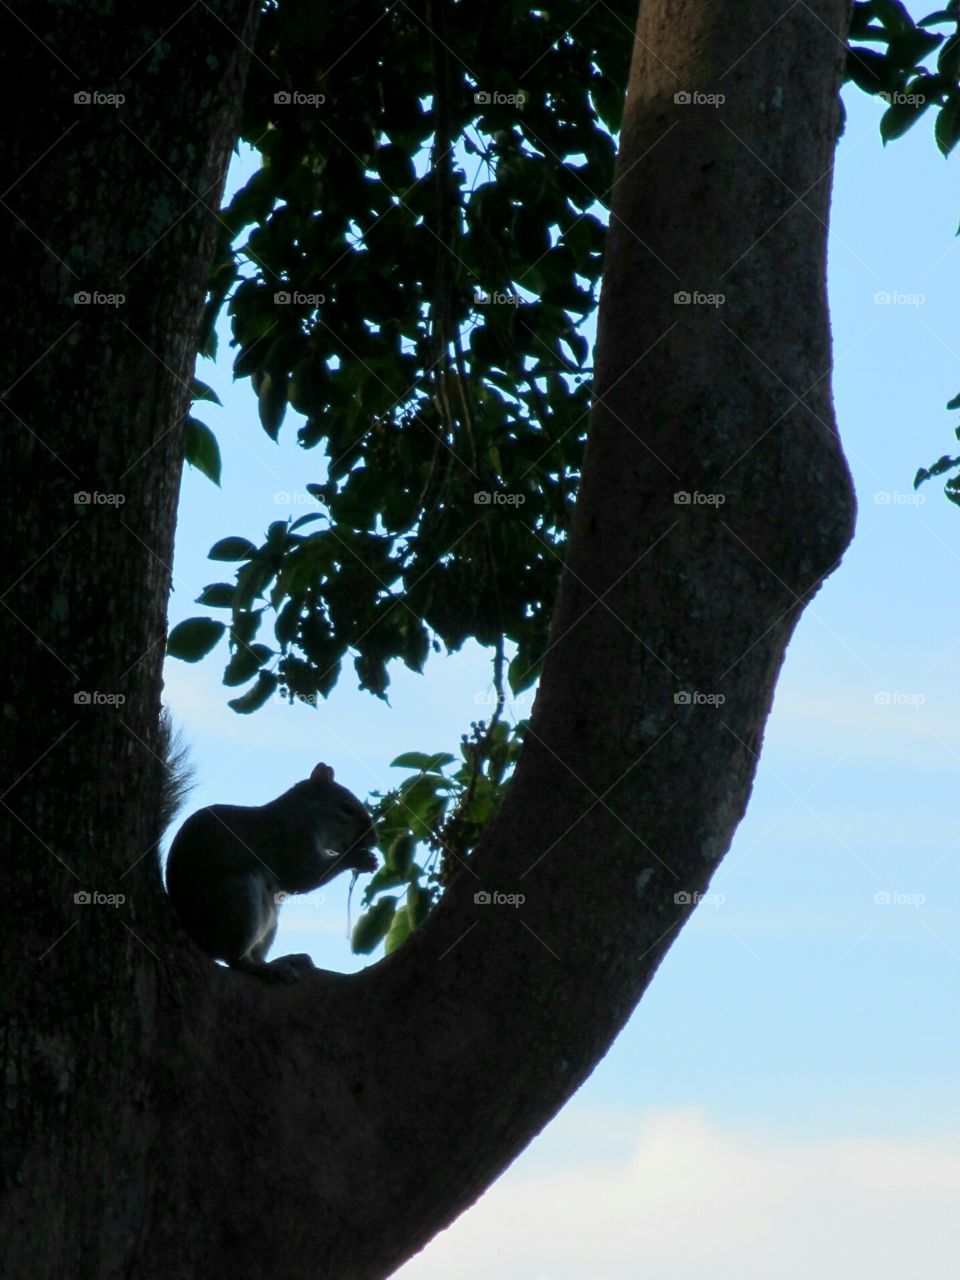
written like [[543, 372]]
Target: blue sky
[[799, 1026]]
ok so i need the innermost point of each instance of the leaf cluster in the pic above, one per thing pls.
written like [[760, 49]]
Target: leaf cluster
[[410, 270], [943, 465], [897, 70], [445, 812]]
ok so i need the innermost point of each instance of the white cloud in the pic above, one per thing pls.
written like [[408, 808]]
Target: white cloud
[[687, 1199]]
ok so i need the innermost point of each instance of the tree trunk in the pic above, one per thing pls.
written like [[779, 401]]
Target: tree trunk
[[109, 200], [170, 1118]]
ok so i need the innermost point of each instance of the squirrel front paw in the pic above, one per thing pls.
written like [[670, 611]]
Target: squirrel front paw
[[289, 968], [366, 860]]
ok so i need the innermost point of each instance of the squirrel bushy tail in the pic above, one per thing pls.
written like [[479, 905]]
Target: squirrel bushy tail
[[178, 770]]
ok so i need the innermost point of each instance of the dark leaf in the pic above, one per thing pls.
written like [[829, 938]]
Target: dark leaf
[[254, 698], [522, 673], [418, 904], [245, 662], [200, 391], [944, 463], [401, 853], [946, 131], [272, 403], [896, 120], [201, 449], [193, 639], [420, 760], [218, 595], [372, 926], [398, 932], [893, 15], [232, 549], [870, 71]]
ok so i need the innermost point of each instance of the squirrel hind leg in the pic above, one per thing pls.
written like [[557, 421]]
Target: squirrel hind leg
[[285, 969], [231, 917]]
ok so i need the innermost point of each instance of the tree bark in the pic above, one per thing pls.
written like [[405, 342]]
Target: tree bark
[[118, 133], [170, 1118]]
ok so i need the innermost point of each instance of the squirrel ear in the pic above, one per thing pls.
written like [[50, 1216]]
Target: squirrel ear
[[322, 773]]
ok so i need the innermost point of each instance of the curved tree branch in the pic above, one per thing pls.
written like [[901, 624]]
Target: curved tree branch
[[418, 1081]]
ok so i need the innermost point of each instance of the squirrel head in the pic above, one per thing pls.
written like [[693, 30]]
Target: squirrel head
[[349, 828]]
